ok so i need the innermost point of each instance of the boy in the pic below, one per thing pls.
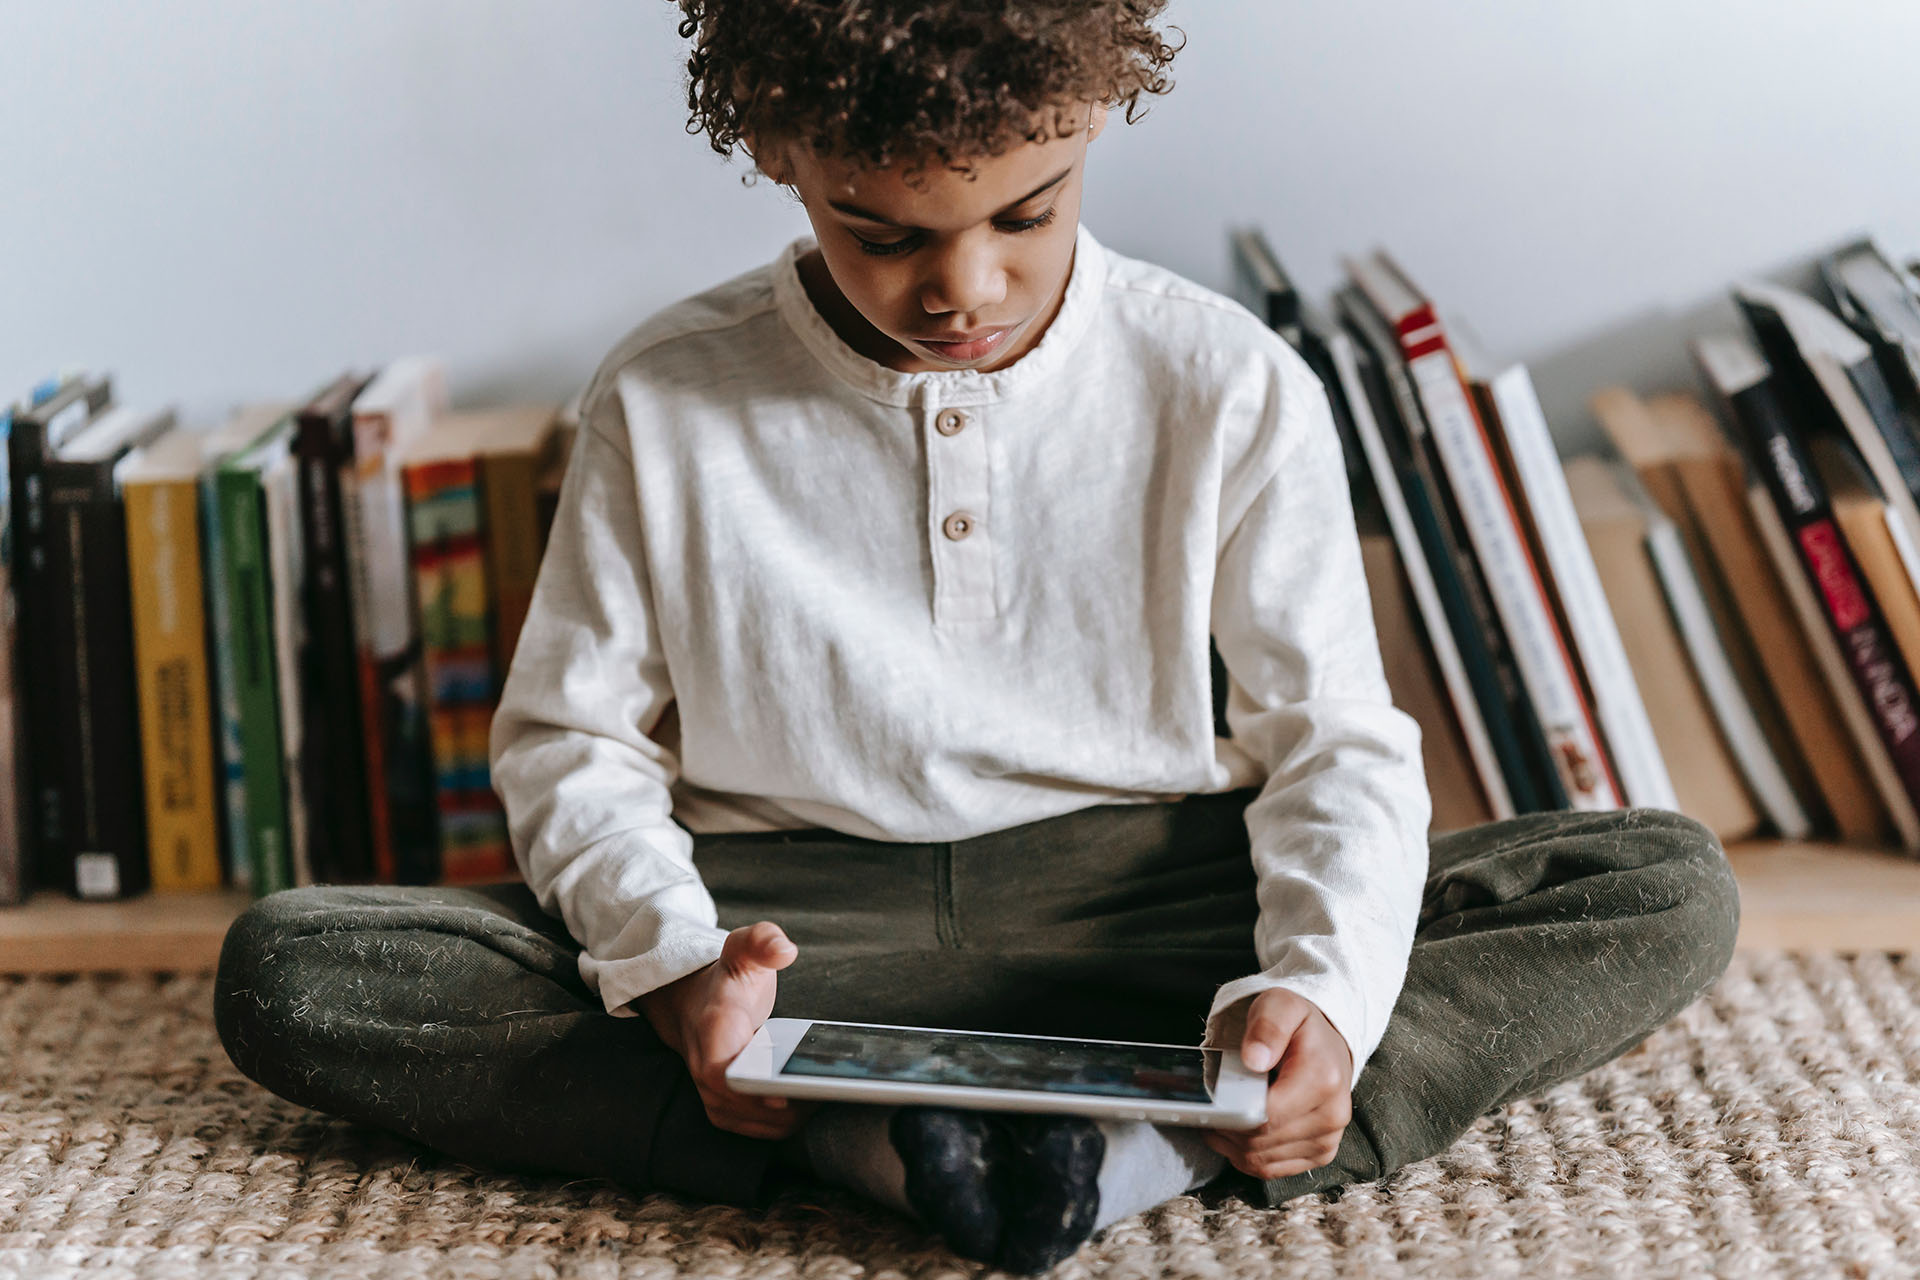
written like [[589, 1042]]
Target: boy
[[867, 678]]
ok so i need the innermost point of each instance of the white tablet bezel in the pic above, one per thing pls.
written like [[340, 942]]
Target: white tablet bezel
[[1239, 1101]]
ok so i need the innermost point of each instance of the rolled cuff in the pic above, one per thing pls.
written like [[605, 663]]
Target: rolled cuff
[[619, 982]]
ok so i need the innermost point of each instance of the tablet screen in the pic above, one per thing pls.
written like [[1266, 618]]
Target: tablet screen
[[1164, 1073]]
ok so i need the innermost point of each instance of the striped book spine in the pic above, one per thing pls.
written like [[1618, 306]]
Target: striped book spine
[[445, 537]]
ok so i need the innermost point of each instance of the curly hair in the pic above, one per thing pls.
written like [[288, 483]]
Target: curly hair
[[881, 81]]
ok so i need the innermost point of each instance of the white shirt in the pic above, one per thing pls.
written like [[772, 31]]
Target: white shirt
[[788, 586]]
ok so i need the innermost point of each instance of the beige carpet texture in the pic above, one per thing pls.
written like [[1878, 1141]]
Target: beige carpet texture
[[1773, 1129]]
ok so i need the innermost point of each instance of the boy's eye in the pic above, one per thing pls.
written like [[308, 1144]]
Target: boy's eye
[[1027, 224], [882, 248], [885, 248]]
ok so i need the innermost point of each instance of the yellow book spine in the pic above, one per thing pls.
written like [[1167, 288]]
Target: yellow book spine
[[170, 657]]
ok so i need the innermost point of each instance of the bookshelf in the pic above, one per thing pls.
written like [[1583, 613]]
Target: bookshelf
[[1801, 897]]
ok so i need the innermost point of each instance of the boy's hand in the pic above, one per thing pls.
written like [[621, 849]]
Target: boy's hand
[[709, 1016], [1309, 1099]]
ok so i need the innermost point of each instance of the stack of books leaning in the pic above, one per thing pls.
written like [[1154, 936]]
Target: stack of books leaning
[[1718, 614], [262, 654]]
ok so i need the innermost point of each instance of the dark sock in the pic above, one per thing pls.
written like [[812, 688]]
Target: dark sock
[[1019, 1191], [1048, 1171], [949, 1156]]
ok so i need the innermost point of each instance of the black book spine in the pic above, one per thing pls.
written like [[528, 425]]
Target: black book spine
[[340, 840], [44, 804], [100, 759]]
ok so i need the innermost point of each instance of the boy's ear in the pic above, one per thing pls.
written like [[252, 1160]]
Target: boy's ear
[[1096, 121]]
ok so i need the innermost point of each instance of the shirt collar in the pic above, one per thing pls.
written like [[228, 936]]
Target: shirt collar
[[955, 386]]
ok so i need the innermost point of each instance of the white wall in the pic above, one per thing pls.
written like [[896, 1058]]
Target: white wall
[[220, 199]]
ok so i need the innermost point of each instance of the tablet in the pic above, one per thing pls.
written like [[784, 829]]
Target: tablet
[[996, 1071]]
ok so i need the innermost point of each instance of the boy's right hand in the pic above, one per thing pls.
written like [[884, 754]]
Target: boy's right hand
[[709, 1016]]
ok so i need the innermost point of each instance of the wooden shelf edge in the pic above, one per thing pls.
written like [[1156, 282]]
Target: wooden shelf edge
[[1794, 896], [52, 933]]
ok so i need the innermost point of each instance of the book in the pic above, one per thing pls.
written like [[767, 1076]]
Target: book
[[1867, 523], [1760, 405], [1896, 810], [240, 569], [1512, 727], [1541, 486], [1714, 477], [1493, 530], [1415, 570], [278, 478], [1706, 780], [33, 434], [445, 529], [340, 837], [161, 489], [1459, 799], [1719, 640], [1832, 381], [471, 486], [93, 737], [15, 873], [394, 409]]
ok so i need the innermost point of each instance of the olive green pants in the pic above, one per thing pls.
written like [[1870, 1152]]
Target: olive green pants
[[1547, 945]]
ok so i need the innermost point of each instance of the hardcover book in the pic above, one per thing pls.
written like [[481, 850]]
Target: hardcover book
[[32, 437], [93, 737], [395, 409], [1540, 484], [340, 835], [162, 493], [240, 567]]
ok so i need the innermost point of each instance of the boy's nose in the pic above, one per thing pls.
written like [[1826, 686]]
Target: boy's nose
[[965, 280]]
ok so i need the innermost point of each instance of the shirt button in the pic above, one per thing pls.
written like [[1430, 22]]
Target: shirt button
[[950, 422], [959, 524]]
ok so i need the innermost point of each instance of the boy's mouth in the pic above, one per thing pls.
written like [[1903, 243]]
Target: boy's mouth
[[967, 347]]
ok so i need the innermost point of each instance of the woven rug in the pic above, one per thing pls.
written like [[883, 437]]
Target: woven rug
[[1772, 1129]]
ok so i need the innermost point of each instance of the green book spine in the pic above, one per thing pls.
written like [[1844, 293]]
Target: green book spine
[[226, 683], [249, 600]]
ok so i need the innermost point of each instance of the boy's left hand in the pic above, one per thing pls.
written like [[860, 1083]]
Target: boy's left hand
[[1309, 1099]]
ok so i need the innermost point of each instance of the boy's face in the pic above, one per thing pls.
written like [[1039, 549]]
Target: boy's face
[[954, 273]]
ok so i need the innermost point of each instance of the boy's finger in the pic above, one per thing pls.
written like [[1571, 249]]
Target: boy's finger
[[1330, 1116], [1271, 1024], [764, 945]]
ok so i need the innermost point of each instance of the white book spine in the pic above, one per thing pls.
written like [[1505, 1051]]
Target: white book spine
[[1748, 744], [1446, 652], [1545, 670], [1833, 667], [286, 559], [1596, 636]]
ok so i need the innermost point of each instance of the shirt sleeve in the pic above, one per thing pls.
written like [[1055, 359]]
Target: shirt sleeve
[[586, 790], [1338, 831]]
